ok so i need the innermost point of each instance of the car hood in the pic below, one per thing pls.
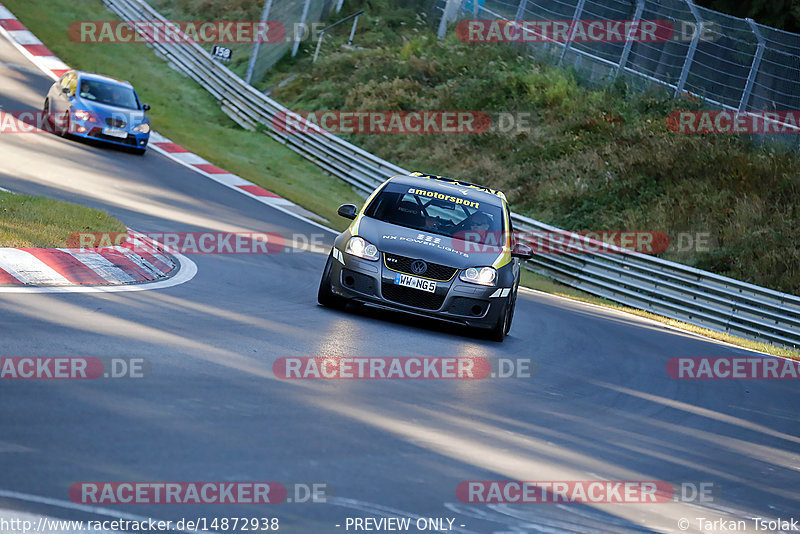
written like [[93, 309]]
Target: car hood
[[428, 246], [131, 116]]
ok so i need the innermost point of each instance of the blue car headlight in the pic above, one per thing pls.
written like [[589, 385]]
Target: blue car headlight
[[142, 128], [83, 115]]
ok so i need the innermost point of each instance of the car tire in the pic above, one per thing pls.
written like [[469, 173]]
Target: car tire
[[139, 151], [65, 131], [325, 295], [511, 312], [500, 329], [46, 112]]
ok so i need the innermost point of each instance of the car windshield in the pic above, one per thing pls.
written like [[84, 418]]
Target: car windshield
[[448, 214], [109, 94]]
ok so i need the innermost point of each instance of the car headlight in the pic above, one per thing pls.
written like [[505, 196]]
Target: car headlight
[[362, 248], [484, 276], [142, 128], [82, 115]]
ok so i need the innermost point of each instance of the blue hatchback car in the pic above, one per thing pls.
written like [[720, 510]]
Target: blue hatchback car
[[100, 108]]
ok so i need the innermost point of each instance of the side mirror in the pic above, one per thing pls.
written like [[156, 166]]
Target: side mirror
[[348, 211], [146, 107], [65, 90], [523, 252]]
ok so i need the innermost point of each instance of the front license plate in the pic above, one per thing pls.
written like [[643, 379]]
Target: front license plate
[[115, 132], [417, 283]]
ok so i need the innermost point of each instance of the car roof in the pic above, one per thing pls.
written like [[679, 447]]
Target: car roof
[[101, 78], [450, 186]]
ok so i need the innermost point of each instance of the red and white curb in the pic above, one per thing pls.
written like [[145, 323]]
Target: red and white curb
[[32, 48], [65, 266], [107, 269]]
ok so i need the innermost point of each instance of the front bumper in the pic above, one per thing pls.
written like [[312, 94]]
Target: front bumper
[[94, 132], [372, 283]]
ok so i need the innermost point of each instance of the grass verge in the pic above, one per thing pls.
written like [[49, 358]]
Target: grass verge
[[43, 222]]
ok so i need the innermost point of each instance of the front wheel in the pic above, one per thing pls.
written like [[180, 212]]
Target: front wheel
[[325, 295], [48, 120], [65, 128], [503, 325]]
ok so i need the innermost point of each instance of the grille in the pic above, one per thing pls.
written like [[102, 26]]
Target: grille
[[435, 271], [116, 123], [412, 297]]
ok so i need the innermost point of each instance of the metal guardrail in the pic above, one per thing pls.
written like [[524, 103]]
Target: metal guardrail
[[641, 281]]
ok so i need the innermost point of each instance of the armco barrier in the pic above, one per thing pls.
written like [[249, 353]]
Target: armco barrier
[[645, 282]]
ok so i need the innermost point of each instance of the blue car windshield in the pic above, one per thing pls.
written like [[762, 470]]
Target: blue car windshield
[[109, 94], [449, 214]]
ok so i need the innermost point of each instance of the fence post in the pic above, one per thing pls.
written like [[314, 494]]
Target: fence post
[[575, 18], [626, 50], [687, 65], [319, 44], [751, 78], [254, 53], [353, 31], [303, 18], [520, 10], [450, 11]]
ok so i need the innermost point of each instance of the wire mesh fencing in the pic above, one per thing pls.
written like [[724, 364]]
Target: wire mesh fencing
[[729, 62]]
